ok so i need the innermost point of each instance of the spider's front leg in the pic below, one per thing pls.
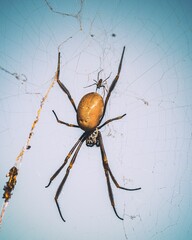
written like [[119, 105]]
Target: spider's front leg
[[113, 83], [62, 86]]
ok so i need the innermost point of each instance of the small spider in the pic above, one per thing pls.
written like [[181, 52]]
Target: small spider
[[90, 113], [100, 83]]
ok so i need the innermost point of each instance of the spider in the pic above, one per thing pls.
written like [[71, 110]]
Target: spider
[[90, 113], [100, 83]]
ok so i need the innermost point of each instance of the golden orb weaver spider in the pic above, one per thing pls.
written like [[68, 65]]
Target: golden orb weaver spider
[[90, 112]]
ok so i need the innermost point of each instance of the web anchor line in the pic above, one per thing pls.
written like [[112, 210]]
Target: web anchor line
[[13, 172]]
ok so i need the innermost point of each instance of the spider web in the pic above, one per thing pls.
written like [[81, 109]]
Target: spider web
[[149, 148]]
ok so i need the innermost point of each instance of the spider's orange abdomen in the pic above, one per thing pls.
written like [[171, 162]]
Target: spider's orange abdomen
[[90, 111]]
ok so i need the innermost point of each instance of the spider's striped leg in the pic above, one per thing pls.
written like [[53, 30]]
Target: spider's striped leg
[[113, 83], [66, 159], [105, 165], [111, 174], [117, 184], [67, 124], [67, 173], [110, 120], [62, 86]]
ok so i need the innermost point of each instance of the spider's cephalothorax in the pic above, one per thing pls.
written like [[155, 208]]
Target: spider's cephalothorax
[[93, 139], [90, 112]]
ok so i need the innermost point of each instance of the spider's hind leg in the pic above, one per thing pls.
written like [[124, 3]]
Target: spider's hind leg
[[105, 165], [83, 137], [66, 159], [109, 174]]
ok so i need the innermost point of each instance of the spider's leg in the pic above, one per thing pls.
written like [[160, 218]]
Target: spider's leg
[[104, 81], [113, 83], [99, 74], [90, 85], [105, 165], [111, 194], [117, 185], [104, 89], [111, 174], [110, 120], [66, 175], [68, 93], [62, 86], [66, 159], [59, 121]]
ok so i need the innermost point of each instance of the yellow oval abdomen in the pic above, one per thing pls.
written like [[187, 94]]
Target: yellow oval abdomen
[[90, 111]]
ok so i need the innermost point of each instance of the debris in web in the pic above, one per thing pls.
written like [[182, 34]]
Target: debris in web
[[143, 100], [64, 14], [20, 77]]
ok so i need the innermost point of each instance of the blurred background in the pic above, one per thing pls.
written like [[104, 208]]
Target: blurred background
[[149, 148]]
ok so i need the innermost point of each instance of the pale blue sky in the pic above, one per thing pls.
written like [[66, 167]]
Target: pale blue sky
[[149, 148]]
